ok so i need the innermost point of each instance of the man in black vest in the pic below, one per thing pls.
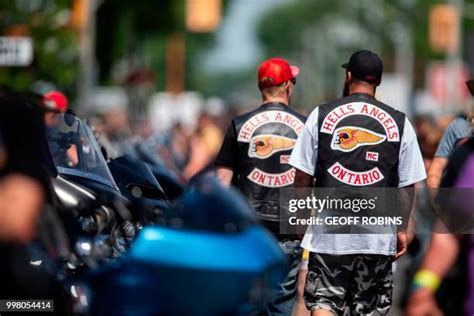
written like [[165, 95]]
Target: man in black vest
[[355, 142], [254, 157]]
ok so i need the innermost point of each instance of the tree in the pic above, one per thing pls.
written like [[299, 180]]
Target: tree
[[322, 34], [55, 42]]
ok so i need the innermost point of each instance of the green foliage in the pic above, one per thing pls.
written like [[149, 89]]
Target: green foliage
[[55, 44], [280, 30], [123, 28], [284, 31], [196, 43], [141, 30]]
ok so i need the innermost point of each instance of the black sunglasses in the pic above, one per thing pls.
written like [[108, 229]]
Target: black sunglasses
[[293, 81]]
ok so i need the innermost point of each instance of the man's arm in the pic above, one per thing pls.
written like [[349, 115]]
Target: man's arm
[[435, 172], [224, 175], [303, 159], [439, 259], [407, 195], [411, 170], [226, 158], [302, 179], [455, 131], [448, 246], [304, 154]]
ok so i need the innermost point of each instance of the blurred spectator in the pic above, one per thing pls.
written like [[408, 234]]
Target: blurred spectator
[[443, 121], [24, 190], [209, 133], [176, 149], [109, 107], [205, 144], [457, 130], [113, 130], [116, 125], [167, 109], [24, 180], [429, 135], [108, 149], [444, 248], [54, 102]]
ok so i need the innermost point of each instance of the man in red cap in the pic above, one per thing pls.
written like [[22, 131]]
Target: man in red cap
[[54, 102], [254, 157]]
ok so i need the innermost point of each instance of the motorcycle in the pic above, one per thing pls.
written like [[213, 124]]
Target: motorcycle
[[172, 185], [149, 203], [85, 184]]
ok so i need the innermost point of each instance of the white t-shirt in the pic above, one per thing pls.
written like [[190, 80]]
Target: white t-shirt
[[410, 169]]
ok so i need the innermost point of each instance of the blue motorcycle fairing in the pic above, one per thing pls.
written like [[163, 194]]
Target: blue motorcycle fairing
[[251, 250], [176, 272]]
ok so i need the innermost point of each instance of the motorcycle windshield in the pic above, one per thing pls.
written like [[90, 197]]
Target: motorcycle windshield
[[75, 150]]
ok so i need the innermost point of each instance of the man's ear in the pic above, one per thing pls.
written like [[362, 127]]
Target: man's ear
[[287, 87], [348, 76]]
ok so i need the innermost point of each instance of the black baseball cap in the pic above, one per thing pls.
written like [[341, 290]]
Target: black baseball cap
[[365, 65]]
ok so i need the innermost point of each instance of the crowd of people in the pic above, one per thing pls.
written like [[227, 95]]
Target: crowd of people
[[355, 141]]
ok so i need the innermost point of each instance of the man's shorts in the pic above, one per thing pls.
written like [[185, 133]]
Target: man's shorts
[[349, 284]]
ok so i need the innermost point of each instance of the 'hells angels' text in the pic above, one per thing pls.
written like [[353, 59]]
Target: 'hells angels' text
[[249, 127], [359, 108]]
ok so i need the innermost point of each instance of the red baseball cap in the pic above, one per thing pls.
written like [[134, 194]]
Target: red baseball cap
[[274, 71], [55, 101]]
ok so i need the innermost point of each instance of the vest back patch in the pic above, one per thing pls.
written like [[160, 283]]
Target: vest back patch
[[268, 146]]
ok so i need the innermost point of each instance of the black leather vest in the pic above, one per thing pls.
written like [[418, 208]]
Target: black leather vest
[[359, 141], [265, 138]]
